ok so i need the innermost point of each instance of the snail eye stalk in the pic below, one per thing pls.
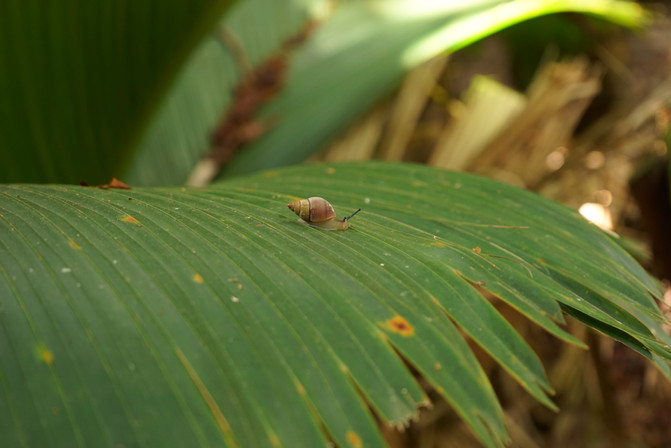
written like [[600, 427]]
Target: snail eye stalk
[[348, 217]]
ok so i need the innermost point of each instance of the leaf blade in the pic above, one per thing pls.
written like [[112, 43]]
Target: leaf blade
[[219, 304]]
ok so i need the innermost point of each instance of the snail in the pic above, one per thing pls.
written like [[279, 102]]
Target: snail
[[317, 212]]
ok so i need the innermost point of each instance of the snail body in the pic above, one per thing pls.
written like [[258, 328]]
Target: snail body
[[317, 212]]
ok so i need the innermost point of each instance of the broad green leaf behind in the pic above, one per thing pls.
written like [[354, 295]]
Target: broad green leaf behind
[[79, 80]]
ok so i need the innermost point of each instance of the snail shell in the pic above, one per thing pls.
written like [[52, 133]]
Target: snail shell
[[317, 212]]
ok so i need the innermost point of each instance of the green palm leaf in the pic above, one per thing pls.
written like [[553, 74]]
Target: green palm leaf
[[180, 317]]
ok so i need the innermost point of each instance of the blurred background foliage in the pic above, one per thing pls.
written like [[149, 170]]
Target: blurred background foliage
[[569, 105]]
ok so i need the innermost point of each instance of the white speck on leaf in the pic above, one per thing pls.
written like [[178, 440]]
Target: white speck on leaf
[[66, 270]]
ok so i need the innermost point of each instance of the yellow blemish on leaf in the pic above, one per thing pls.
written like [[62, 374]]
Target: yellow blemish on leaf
[[399, 325], [435, 300], [353, 439], [239, 286], [55, 411], [73, 244], [299, 387], [330, 170], [270, 174], [437, 366], [183, 190], [437, 244], [274, 440], [224, 427], [130, 219], [197, 278], [45, 355]]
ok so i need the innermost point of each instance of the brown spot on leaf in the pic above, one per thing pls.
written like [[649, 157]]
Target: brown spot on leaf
[[130, 219], [399, 325], [197, 278], [477, 250]]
